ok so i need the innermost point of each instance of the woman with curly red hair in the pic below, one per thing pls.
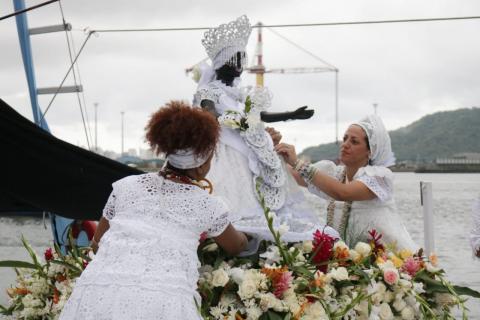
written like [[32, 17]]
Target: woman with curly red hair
[[146, 263]]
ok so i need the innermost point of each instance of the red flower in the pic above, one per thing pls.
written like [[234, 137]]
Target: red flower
[[322, 249], [375, 243], [85, 264], [48, 254]]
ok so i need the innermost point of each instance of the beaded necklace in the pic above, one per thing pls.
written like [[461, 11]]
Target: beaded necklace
[[347, 207], [170, 174]]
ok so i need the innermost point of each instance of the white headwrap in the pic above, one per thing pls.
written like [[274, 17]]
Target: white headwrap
[[379, 140], [186, 159]]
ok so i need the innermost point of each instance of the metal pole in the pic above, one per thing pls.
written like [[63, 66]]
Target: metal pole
[[96, 144], [122, 131], [426, 197], [336, 106]]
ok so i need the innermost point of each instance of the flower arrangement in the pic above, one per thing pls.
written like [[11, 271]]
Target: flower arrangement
[[44, 285], [325, 279], [258, 100]]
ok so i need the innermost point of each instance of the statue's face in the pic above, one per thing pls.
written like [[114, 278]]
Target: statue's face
[[237, 62]]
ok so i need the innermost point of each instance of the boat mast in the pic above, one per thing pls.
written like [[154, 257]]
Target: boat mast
[[26, 48]]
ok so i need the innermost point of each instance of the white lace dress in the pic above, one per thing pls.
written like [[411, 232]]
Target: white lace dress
[[146, 265], [379, 214], [240, 158]]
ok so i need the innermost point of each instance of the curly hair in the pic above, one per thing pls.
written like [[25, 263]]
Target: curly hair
[[178, 126]]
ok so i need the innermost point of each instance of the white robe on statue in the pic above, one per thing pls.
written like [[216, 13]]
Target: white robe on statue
[[240, 158]]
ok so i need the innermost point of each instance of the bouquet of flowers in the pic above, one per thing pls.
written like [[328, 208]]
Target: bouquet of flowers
[[325, 279], [44, 285], [258, 100]]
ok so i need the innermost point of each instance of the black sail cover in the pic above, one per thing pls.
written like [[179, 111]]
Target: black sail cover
[[39, 172]]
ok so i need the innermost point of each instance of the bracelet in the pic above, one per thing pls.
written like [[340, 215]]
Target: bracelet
[[306, 170]]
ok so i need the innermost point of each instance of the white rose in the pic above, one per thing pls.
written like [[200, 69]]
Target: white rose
[[431, 268], [236, 274], [253, 313], [247, 289], [399, 304], [229, 123], [307, 246], [219, 278], [388, 296], [363, 248], [354, 255], [339, 274], [314, 311], [29, 301], [408, 313], [377, 298], [385, 312]]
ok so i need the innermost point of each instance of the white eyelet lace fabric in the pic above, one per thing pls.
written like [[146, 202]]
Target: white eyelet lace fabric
[[146, 266], [379, 213]]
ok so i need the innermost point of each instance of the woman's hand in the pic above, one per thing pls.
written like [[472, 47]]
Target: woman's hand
[[287, 151], [276, 135]]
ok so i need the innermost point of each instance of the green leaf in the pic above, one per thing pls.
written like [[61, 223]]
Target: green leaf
[[17, 264], [68, 265], [248, 104], [433, 285]]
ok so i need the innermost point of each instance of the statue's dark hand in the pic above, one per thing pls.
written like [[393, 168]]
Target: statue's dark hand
[[303, 113]]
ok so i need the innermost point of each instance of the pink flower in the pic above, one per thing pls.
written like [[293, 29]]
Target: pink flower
[[411, 266], [48, 254], [203, 236], [282, 284], [390, 275]]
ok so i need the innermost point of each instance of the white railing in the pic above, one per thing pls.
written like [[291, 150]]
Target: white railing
[[426, 199]]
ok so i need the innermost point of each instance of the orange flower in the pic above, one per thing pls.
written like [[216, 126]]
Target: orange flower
[[300, 312], [56, 296], [341, 253], [274, 274], [22, 291], [433, 259]]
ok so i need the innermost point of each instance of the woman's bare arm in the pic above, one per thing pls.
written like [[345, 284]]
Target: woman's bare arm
[[102, 227], [231, 240]]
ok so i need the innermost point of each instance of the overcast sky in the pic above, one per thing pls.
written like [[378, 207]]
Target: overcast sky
[[409, 69]]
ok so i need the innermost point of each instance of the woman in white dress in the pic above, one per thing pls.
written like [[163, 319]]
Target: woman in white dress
[[360, 190], [245, 158], [146, 263]]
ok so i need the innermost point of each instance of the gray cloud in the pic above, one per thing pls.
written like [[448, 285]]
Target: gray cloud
[[408, 69]]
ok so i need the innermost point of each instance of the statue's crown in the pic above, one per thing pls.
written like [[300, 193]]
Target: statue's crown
[[232, 34]]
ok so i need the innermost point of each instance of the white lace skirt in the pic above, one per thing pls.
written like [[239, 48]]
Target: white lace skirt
[[114, 301]]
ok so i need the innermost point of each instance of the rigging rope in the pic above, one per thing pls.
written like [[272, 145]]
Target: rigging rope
[[319, 24], [303, 49], [86, 125]]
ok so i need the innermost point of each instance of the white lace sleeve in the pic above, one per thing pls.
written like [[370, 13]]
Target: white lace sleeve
[[109, 209], [329, 168], [475, 233], [220, 218], [207, 93], [378, 179]]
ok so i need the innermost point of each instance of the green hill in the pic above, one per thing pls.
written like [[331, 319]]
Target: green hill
[[441, 134]]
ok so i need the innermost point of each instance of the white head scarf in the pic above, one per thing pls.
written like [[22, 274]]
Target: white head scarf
[[379, 141], [186, 159]]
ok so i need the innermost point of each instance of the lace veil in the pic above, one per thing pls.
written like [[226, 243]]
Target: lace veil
[[379, 140]]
